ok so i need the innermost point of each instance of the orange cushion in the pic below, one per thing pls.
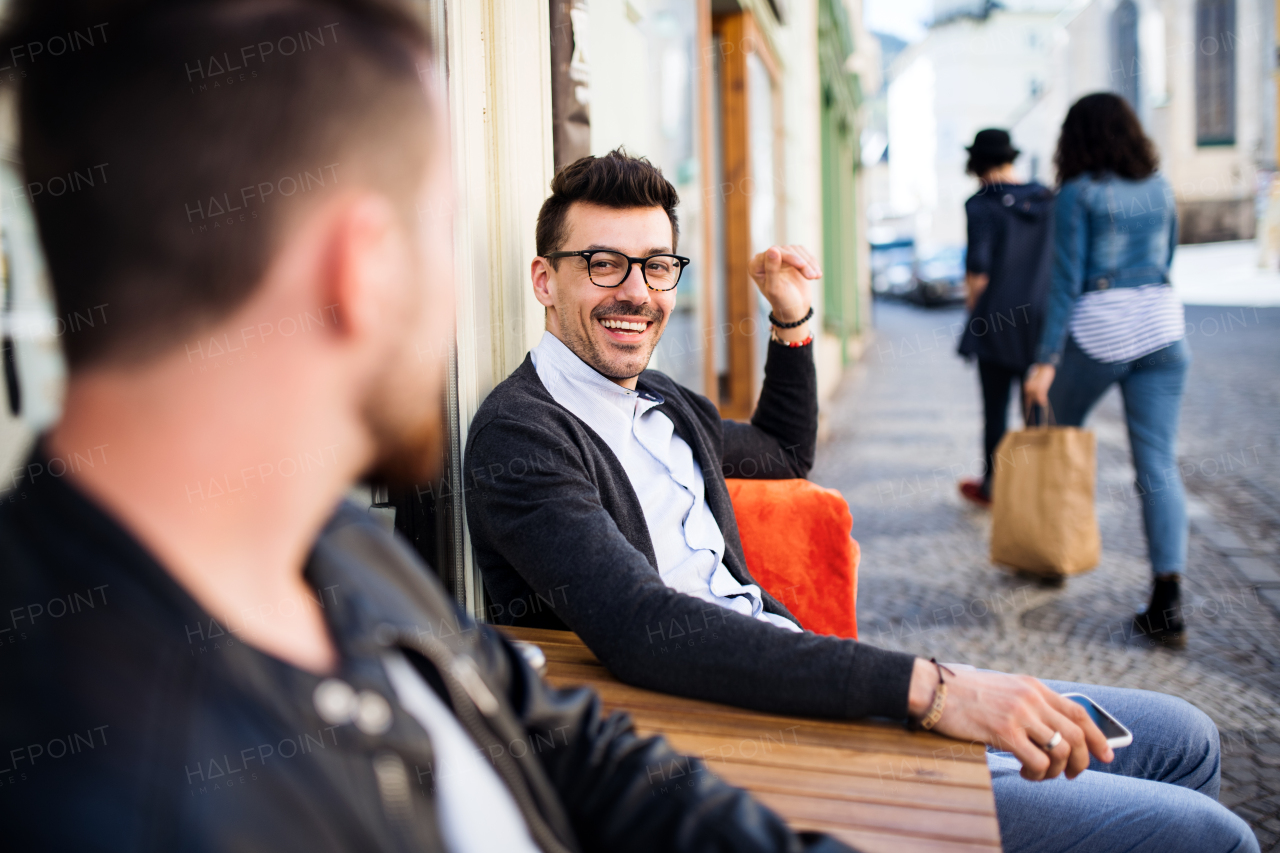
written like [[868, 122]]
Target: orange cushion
[[796, 538]]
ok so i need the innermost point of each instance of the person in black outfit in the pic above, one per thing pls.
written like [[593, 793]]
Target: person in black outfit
[[204, 648], [1007, 282]]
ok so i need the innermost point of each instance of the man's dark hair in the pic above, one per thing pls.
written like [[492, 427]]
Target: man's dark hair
[[185, 135], [979, 164], [616, 180], [1102, 134]]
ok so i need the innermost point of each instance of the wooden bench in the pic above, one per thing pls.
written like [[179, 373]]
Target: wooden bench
[[875, 786]]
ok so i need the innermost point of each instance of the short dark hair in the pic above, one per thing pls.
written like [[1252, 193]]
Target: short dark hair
[[979, 164], [1101, 134], [208, 125], [617, 180]]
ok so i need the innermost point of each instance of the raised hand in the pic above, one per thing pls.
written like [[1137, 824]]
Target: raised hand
[[783, 274]]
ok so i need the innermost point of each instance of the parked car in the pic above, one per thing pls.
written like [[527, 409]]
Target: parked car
[[940, 278], [893, 268]]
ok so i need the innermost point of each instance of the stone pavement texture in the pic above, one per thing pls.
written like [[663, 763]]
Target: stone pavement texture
[[905, 426]]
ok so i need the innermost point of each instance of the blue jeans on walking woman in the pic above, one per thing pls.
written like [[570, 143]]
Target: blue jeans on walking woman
[[1152, 390]]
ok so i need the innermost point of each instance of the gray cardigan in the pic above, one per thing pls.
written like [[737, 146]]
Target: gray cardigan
[[562, 542]]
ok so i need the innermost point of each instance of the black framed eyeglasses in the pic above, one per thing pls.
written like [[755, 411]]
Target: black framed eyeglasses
[[607, 268]]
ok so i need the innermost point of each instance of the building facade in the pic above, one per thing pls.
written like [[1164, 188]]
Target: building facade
[[1199, 73]]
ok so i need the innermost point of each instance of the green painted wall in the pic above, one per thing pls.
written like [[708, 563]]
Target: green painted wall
[[843, 309]]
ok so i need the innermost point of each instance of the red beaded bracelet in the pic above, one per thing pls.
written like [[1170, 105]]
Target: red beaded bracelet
[[803, 343]]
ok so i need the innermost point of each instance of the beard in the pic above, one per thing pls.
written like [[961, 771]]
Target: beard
[[610, 365], [408, 431]]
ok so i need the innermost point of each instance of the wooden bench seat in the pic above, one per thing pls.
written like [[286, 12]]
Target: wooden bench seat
[[873, 785]]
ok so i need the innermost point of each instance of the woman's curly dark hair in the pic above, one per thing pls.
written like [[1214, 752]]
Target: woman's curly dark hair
[[1102, 134]]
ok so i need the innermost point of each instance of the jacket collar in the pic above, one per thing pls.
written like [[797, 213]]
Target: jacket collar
[[369, 609], [360, 605]]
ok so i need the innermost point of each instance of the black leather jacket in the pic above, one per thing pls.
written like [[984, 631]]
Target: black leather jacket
[[130, 720]]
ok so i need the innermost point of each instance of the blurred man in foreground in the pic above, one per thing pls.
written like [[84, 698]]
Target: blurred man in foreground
[[203, 649]]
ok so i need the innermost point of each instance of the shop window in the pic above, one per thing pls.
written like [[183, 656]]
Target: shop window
[[674, 143], [1215, 72], [570, 81]]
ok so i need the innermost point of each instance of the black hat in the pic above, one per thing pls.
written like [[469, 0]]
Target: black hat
[[993, 144]]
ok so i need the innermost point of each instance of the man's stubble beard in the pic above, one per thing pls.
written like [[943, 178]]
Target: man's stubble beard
[[407, 429], [584, 346]]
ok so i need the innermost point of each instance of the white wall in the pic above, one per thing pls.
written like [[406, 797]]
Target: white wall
[[994, 73], [1168, 44], [802, 159], [913, 138]]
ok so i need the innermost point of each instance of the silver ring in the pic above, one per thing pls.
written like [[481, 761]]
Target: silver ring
[[1053, 741]]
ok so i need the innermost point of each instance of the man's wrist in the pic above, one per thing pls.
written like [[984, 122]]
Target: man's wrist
[[924, 683], [780, 319], [790, 315], [787, 336]]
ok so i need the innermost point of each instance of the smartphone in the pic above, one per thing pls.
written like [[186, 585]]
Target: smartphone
[[1112, 729]]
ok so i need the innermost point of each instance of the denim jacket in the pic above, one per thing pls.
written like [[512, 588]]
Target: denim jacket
[[1108, 232]]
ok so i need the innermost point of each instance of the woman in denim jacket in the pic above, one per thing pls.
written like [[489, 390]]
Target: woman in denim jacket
[[1113, 318]]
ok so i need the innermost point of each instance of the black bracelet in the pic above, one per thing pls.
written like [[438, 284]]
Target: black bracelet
[[806, 318]]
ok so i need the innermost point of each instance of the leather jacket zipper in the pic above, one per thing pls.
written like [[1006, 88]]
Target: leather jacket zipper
[[393, 788], [471, 699]]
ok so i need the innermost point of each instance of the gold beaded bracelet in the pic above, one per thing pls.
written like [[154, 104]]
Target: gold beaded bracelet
[[930, 719]]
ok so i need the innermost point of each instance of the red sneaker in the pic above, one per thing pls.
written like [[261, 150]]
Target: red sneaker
[[971, 490]]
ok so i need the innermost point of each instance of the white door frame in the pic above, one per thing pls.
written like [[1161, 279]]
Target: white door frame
[[499, 56]]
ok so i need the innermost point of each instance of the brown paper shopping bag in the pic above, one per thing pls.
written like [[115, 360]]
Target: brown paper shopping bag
[[1043, 518]]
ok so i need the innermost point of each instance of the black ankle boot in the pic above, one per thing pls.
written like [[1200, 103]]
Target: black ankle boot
[[1162, 620]]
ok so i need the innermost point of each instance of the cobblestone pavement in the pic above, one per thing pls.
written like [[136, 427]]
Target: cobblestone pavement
[[905, 426]]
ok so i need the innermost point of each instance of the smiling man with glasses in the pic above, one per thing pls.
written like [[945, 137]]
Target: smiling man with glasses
[[607, 272], [627, 315]]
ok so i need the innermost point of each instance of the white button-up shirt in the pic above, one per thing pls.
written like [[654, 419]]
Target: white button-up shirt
[[686, 538]]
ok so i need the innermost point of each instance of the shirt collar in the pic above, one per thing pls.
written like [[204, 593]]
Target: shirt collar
[[557, 364]]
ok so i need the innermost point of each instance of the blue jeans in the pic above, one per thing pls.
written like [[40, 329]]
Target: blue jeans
[[1159, 794], [1152, 389]]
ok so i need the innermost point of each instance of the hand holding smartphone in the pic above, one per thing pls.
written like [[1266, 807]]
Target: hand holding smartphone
[[1112, 729]]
